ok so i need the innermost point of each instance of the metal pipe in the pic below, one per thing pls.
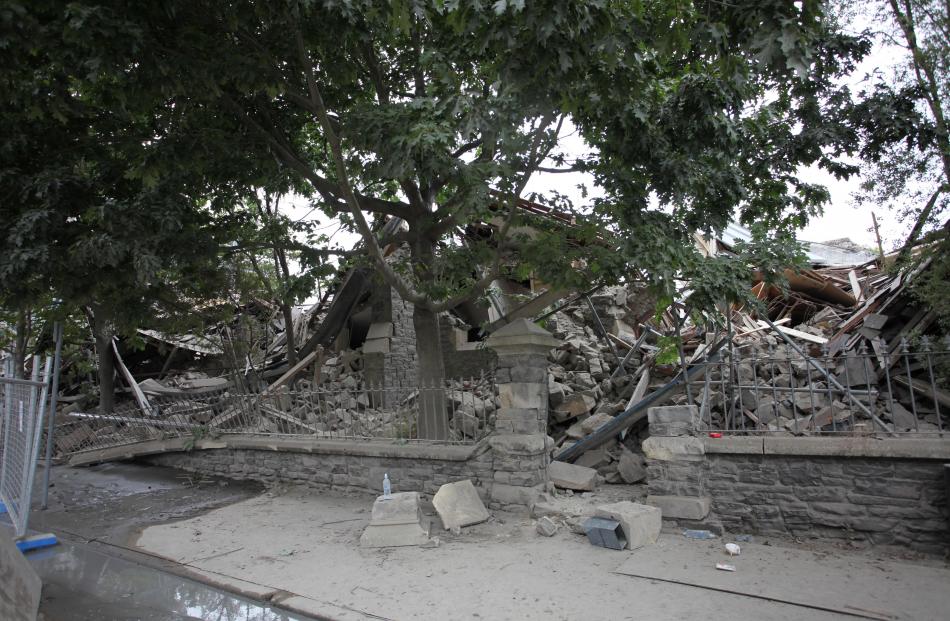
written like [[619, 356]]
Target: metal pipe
[[54, 396], [633, 348]]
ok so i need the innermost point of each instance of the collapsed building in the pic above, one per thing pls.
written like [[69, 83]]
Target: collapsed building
[[842, 354]]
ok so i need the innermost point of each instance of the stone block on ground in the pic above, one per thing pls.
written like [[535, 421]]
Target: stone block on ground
[[571, 476], [458, 505], [640, 523], [682, 507], [396, 521], [631, 467], [546, 527]]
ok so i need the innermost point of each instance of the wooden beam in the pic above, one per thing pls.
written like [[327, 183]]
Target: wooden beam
[[924, 389], [798, 334], [293, 371]]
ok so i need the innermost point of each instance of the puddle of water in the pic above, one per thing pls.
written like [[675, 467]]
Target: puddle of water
[[80, 584]]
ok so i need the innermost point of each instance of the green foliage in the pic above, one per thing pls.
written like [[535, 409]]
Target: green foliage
[[669, 350], [693, 112]]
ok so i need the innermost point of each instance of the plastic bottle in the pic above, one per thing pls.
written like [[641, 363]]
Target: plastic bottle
[[387, 486]]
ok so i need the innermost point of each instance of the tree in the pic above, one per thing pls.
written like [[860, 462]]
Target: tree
[[904, 134], [270, 242], [80, 225], [439, 113]]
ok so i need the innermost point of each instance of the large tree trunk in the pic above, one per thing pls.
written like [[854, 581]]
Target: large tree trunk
[[288, 312], [433, 417], [102, 331]]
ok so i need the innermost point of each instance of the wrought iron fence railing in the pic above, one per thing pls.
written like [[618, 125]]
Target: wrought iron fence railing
[[350, 412], [886, 389]]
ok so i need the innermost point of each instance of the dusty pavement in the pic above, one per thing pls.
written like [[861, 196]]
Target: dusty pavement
[[299, 550], [305, 545]]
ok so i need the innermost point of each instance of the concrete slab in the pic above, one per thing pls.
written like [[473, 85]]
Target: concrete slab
[[459, 505], [640, 523], [571, 476], [306, 543], [20, 587], [835, 584]]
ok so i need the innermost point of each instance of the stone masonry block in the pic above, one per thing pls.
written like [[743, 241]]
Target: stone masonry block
[[523, 395], [682, 448], [681, 507], [673, 420], [640, 523]]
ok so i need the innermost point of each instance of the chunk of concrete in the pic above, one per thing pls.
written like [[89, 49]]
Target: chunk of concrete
[[682, 507], [570, 476], [382, 330], [396, 521], [19, 585], [546, 527], [458, 505], [631, 467], [573, 405], [640, 523]]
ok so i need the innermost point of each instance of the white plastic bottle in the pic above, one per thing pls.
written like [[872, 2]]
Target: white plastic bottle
[[387, 486]]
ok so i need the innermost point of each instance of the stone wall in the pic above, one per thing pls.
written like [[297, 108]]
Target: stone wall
[[509, 467], [389, 352], [342, 466], [462, 358], [883, 491], [881, 500]]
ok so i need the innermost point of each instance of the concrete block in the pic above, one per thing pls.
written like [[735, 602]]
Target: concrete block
[[673, 420], [382, 330], [570, 476], [518, 444], [682, 448], [19, 585], [573, 405], [376, 346], [682, 507], [396, 521], [522, 395], [458, 505], [640, 523]]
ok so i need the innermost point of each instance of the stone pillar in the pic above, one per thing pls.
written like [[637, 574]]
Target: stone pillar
[[520, 447], [676, 463]]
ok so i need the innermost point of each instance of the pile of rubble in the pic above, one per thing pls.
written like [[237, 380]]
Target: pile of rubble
[[831, 355]]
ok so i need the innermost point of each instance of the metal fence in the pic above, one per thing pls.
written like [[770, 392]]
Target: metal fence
[[22, 407], [887, 389], [462, 410]]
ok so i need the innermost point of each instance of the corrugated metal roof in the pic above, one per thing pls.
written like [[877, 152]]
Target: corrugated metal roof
[[817, 252]]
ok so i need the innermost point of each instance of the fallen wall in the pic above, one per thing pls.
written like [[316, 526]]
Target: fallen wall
[[858, 488], [339, 465]]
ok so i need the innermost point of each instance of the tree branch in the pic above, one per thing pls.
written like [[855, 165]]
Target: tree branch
[[336, 148]]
